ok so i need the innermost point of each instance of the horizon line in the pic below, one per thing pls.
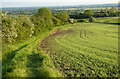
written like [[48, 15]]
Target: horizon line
[[54, 5]]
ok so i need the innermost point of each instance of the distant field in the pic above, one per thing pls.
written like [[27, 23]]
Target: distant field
[[106, 20], [82, 49], [97, 8]]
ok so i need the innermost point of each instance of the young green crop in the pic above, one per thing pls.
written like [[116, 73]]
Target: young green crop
[[94, 53]]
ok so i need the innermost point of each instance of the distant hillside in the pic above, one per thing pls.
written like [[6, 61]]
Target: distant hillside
[[72, 6], [87, 6], [32, 10]]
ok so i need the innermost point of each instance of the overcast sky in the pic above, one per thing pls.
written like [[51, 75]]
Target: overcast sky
[[43, 3], [81, 1]]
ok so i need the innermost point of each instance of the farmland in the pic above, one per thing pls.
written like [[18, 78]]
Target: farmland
[[75, 50], [86, 49]]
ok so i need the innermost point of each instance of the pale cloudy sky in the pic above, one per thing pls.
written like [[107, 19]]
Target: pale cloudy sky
[[81, 1], [42, 3]]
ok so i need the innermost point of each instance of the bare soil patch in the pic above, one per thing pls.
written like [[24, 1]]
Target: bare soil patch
[[54, 33]]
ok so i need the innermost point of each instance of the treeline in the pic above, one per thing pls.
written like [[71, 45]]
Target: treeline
[[24, 27], [20, 11], [102, 13]]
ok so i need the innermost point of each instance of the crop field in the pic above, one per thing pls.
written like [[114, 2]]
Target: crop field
[[86, 49], [74, 50]]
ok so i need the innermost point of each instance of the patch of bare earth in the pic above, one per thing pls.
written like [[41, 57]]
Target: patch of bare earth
[[54, 33]]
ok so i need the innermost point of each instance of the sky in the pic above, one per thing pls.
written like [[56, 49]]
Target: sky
[[43, 3]]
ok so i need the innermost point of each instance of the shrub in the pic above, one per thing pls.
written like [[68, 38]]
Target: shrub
[[74, 21], [80, 20], [24, 27], [92, 19], [9, 32]]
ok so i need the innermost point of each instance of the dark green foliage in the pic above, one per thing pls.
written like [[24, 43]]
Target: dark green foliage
[[63, 16], [44, 13], [57, 22], [24, 27], [80, 20], [54, 14], [96, 13], [88, 13], [43, 21]]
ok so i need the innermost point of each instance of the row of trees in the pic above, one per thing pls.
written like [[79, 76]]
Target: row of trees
[[102, 13], [23, 26]]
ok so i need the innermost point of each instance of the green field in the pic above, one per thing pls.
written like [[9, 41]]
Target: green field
[[87, 49], [106, 20], [78, 50]]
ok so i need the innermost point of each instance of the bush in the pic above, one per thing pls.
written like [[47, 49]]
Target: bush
[[74, 21], [92, 19], [57, 22], [24, 27], [9, 32], [80, 20]]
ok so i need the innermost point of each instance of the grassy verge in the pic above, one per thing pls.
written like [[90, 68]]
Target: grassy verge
[[27, 60]]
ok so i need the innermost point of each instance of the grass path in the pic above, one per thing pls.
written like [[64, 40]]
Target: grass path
[[26, 60]]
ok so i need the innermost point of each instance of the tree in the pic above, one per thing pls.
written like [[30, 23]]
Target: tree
[[113, 9], [43, 20], [88, 13], [63, 16], [44, 13]]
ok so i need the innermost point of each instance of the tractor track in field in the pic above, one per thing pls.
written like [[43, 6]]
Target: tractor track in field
[[84, 33]]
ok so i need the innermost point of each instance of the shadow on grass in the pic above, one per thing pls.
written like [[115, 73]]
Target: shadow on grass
[[36, 66], [7, 63], [108, 23]]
